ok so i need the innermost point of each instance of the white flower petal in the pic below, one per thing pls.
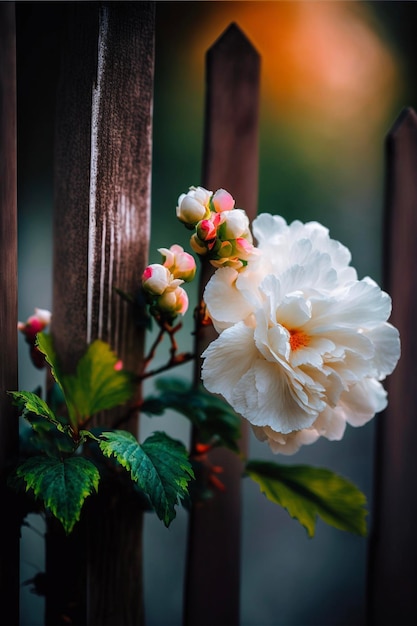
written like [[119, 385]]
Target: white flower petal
[[286, 444], [225, 303], [386, 341], [227, 359], [362, 401], [264, 397], [331, 423]]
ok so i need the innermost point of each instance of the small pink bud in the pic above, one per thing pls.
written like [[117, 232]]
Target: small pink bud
[[223, 201], [156, 278], [206, 230], [35, 324], [118, 366], [173, 302], [244, 249], [180, 264]]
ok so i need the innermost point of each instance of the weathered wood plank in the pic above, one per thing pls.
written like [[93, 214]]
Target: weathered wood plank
[[9, 435], [392, 565], [101, 235], [230, 161]]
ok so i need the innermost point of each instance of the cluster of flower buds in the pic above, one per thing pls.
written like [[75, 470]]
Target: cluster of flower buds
[[221, 232], [162, 283], [35, 324]]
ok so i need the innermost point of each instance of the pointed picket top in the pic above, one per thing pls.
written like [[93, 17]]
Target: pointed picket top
[[406, 119], [230, 158], [234, 44], [393, 576]]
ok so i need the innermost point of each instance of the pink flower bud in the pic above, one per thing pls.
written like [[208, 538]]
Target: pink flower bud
[[223, 201], [35, 324], [180, 264], [244, 249], [194, 205], [156, 278], [173, 302], [206, 230]]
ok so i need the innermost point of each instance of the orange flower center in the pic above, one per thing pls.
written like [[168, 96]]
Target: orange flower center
[[298, 339]]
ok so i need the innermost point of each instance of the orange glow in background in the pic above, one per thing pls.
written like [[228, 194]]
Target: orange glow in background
[[323, 58]]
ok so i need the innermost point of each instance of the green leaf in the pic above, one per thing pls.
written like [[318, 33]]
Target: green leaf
[[160, 467], [214, 418], [31, 405], [310, 491], [62, 485], [29, 402], [96, 385], [45, 344]]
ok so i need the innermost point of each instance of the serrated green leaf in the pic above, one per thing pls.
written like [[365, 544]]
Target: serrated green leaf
[[96, 386], [160, 467], [29, 402], [214, 418], [62, 485], [32, 406], [310, 491]]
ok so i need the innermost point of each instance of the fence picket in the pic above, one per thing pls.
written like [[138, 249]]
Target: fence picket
[[101, 237], [392, 569], [9, 436], [230, 160]]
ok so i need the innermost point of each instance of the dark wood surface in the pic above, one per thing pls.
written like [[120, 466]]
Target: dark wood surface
[[230, 161], [393, 552], [9, 436], [101, 237]]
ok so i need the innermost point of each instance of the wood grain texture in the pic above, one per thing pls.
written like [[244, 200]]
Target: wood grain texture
[[392, 562], [230, 161], [9, 436], [101, 237]]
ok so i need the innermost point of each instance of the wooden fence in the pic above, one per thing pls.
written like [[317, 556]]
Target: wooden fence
[[102, 204]]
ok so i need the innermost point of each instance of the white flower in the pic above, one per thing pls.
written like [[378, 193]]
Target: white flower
[[303, 343]]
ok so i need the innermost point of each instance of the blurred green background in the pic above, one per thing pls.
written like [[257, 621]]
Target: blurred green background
[[335, 76]]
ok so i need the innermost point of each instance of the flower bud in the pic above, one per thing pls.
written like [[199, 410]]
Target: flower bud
[[224, 249], [234, 224], [206, 230], [180, 264], [156, 278], [174, 302], [222, 201], [193, 206], [35, 324], [244, 249], [199, 247]]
